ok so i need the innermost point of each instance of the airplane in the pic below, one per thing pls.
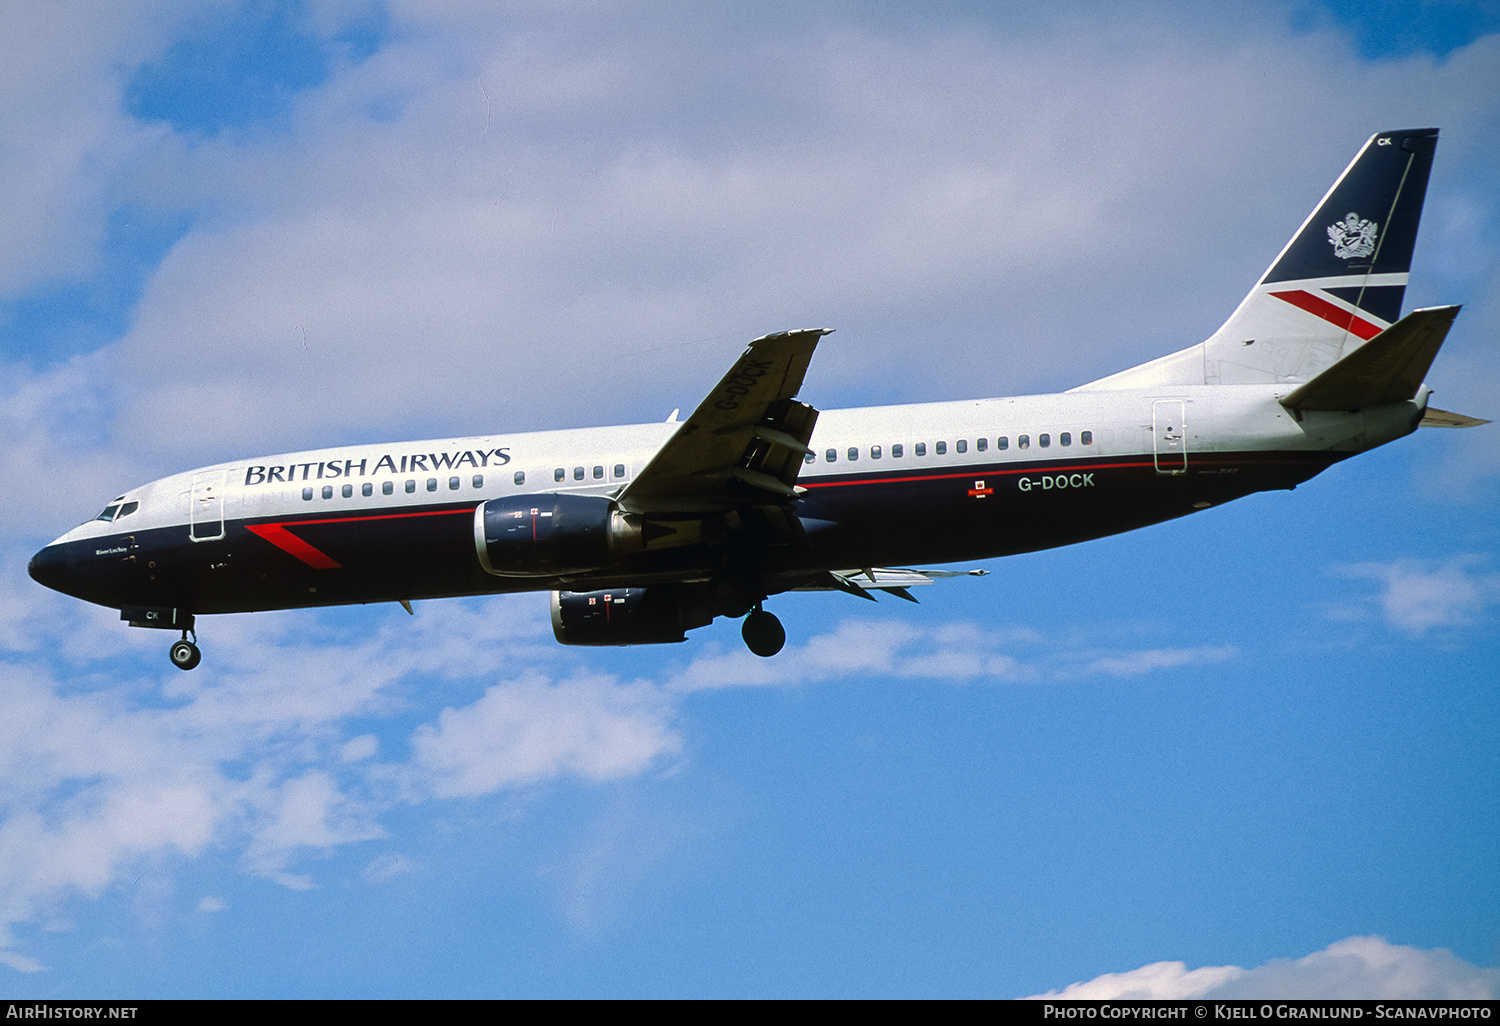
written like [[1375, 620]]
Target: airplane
[[644, 532]]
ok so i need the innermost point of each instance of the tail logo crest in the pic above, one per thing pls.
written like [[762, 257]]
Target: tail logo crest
[[1352, 237]]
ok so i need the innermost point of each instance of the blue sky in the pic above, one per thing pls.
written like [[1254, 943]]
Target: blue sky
[[1246, 752]]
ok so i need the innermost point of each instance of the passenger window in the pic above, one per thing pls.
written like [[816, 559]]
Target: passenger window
[[1044, 440], [520, 479], [1064, 439], [962, 445], [920, 448], [367, 489], [832, 455], [874, 452], [1002, 442], [432, 484], [453, 484], [559, 474], [577, 473], [853, 454], [619, 470], [477, 481], [941, 448], [896, 451], [411, 486], [387, 487], [109, 513], [1086, 438], [1023, 442], [328, 491], [598, 473], [981, 444], [307, 495], [810, 457], [348, 491]]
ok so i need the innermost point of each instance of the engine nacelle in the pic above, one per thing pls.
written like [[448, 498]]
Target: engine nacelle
[[542, 535], [658, 615]]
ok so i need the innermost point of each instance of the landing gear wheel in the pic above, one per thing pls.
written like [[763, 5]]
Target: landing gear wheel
[[763, 633], [184, 654]]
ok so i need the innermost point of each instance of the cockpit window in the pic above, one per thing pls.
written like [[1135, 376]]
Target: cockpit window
[[129, 508], [109, 512]]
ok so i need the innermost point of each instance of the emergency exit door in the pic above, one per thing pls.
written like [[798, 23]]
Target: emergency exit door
[[1169, 429]]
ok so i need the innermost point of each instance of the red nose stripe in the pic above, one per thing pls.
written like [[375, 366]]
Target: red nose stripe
[[289, 542]]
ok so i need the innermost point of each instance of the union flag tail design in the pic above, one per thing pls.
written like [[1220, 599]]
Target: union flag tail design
[[1341, 279], [1338, 283]]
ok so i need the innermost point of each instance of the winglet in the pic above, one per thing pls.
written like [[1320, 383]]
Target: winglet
[[1387, 369]]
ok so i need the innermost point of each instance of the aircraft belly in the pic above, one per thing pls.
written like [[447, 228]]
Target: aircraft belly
[[1003, 509]]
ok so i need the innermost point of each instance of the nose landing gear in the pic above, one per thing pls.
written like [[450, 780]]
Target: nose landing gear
[[763, 633], [184, 654]]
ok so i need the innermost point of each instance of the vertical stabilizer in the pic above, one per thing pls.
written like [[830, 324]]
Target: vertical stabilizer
[[1338, 283]]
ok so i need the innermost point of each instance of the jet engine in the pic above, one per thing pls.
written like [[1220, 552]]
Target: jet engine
[[542, 535], [657, 615]]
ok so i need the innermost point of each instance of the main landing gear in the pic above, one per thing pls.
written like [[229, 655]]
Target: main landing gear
[[184, 654], [763, 633]]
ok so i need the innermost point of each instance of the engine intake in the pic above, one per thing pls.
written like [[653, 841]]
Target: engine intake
[[542, 535], [659, 615]]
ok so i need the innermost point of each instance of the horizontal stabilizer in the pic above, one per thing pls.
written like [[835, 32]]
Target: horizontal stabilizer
[[1387, 369], [1442, 418]]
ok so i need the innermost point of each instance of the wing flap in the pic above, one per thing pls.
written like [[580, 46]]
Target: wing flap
[[892, 580]]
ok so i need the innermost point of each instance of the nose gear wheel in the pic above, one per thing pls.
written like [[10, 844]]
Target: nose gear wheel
[[184, 654]]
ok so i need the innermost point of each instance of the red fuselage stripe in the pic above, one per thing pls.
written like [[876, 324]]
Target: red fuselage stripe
[[1334, 315], [1038, 468]]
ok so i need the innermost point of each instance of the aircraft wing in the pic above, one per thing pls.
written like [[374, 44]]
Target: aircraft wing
[[743, 445]]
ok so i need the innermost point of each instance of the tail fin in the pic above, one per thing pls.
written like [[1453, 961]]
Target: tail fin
[[1338, 283]]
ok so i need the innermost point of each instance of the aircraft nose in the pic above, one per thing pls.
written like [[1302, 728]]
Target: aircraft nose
[[49, 567]]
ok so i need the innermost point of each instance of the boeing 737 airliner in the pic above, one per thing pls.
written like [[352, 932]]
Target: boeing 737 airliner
[[642, 533]]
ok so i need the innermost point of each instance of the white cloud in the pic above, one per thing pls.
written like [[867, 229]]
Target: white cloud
[[251, 752], [956, 653], [248, 753], [309, 811], [1418, 596], [360, 748], [387, 867], [1134, 664], [1159, 981], [532, 729], [66, 136], [1355, 968], [548, 201]]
